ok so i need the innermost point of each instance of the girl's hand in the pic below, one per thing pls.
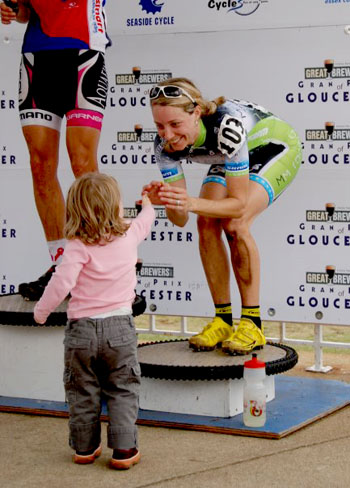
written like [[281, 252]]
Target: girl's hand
[[39, 321], [146, 200], [152, 192]]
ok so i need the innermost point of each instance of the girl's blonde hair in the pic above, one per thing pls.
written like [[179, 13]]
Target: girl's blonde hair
[[93, 209], [207, 107]]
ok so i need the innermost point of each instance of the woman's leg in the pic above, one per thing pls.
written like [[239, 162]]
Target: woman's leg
[[246, 266], [82, 145], [43, 146], [216, 266]]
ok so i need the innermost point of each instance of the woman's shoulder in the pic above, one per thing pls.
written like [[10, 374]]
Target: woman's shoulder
[[163, 156]]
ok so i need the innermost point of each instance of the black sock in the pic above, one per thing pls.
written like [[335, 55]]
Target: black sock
[[224, 311], [252, 313]]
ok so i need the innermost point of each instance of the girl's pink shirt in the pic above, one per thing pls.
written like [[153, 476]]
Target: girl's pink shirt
[[100, 278]]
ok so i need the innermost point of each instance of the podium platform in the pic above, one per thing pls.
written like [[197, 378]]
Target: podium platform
[[180, 388]]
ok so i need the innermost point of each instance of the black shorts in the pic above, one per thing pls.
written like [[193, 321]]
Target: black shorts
[[64, 82]]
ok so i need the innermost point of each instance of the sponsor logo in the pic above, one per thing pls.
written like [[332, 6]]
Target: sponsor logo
[[330, 132], [171, 235], [132, 148], [152, 8], [138, 135], [327, 145], [327, 71], [132, 212], [157, 271], [329, 226], [6, 103], [85, 116], [335, 2], [156, 283], [163, 229], [322, 290], [329, 214], [5, 158], [130, 89], [5, 287], [36, 115], [141, 78], [239, 7], [327, 83], [7, 232], [97, 14], [329, 276]]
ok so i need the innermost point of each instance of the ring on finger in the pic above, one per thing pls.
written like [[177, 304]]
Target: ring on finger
[[178, 203]]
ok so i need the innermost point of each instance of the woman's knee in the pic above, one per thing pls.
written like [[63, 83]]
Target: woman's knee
[[43, 168], [235, 228], [82, 149]]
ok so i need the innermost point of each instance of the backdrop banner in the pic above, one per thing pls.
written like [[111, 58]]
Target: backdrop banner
[[290, 57]]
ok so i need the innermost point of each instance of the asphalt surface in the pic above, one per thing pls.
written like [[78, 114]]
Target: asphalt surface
[[35, 453]]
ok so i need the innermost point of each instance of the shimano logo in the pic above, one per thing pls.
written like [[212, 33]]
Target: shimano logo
[[36, 115]]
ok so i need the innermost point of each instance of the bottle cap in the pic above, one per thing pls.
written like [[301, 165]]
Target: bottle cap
[[254, 363]]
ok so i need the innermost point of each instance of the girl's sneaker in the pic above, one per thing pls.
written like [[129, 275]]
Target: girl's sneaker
[[124, 458], [87, 458]]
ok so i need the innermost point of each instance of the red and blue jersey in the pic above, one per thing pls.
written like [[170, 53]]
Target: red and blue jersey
[[65, 24]]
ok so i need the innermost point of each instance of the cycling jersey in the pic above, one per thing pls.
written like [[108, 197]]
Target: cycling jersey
[[64, 24], [241, 138]]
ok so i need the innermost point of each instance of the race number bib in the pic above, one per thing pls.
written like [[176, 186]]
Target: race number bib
[[231, 135]]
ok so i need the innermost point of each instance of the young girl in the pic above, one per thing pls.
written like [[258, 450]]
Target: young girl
[[98, 270]]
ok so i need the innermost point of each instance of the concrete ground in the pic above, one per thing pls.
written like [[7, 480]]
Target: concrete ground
[[34, 453]]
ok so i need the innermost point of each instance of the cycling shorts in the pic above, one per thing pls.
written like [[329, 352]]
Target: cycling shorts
[[64, 82], [275, 157]]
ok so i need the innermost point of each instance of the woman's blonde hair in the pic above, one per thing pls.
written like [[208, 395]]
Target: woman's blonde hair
[[207, 107], [93, 209]]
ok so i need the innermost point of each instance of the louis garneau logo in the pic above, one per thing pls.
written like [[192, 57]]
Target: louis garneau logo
[[239, 7], [330, 275], [137, 135], [329, 214], [328, 70], [137, 76], [329, 132]]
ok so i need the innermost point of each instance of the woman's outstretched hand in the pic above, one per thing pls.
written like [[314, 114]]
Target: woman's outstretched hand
[[152, 191], [175, 198]]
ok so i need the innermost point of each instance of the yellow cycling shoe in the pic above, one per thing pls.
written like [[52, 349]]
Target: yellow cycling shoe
[[212, 335], [246, 338]]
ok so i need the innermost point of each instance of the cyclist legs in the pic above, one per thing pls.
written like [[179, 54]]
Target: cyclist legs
[[82, 145], [43, 146]]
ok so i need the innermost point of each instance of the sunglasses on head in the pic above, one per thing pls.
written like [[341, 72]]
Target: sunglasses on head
[[169, 91]]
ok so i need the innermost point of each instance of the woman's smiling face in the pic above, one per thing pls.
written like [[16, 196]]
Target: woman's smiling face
[[179, 128]]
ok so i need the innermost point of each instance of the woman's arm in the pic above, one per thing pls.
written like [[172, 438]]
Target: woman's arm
[[233, 206], [178, 215]]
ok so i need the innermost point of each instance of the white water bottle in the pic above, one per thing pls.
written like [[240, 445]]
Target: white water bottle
[[254, 393]]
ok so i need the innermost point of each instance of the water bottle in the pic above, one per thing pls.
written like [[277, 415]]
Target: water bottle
[[254, 393]]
